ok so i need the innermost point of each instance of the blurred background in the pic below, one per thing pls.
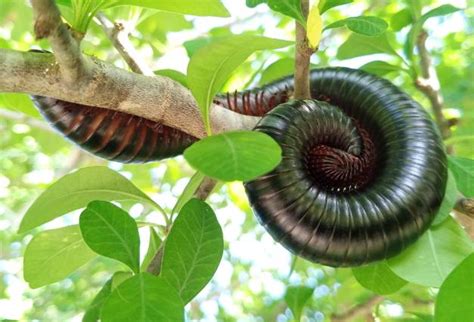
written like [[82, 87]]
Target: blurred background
[[253, 276]]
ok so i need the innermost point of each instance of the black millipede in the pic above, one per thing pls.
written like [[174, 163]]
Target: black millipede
[[363, 169]]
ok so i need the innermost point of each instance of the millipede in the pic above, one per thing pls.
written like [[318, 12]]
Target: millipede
[[363, 168]]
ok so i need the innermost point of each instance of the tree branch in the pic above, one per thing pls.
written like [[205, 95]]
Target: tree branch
[[156, 98], [49, 24], [429, 85], [118, 34], [361, 309], [302, 58]]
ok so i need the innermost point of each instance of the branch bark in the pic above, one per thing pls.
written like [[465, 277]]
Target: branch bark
[[156, 98], [49, 24], [118, 33], [429, 85], [302, 58], [361, 309]]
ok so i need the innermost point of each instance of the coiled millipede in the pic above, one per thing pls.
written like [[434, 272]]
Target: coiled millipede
[[363, 171]]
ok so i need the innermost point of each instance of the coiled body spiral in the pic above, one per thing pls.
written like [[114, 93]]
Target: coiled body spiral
[[363, 170]]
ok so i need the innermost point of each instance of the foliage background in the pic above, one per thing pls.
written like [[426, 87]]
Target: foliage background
[[252, 280]]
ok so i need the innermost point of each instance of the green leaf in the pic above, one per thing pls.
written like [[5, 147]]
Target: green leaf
[[325, 5], [401, 19], [76, 190], [455, 301], [19, 102], [153, 246], [364, 25], [277, 70], [174, 75], [193, 249], [54, 254], [188, 191], [119, 278], [381, 68], [143, 298], [359, 45], [212, 65], [234, 156], [449, 200], [434, 255], [188, 7], [290, 8], [463, 171], [296, 298], [378, 278], [418, 26], [93, 311], [111, 232]]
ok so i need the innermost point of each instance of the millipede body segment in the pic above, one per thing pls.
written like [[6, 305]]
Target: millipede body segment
[[363, 171]]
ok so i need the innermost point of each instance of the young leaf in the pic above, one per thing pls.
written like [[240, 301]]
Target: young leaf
[[364, 25], [296, 298], [189, 191], [111, 232], [143, 298], [193, 249], [76, 190], [212, 65], [463, 171], [325, 5], [188, 7], [449, 200], [234, 156], [359, 45], [434, 255], [315, 27], [378, 278], [54, 254], [455, 300], [381, 68], [93, 311], [153, 245]]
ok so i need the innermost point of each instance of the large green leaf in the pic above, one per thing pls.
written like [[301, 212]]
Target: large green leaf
[[296, 298], [359, 45], [54, 254], [325, 5], [19, 102], [449, 200], [430, 260], [93, 311], [455, 301], [463, 171], [378, 278], [143, 298], [188, 7], [290, 8], [193, 249], [418, 25], [381, 68], [111, 232], [212, 65], [364, 25], [76, 190], [234, 156]]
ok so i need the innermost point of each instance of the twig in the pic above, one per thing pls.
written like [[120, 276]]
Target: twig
[[157, 98], [118, 33], [429, 85], [361, 309], [48, 24], [465, 206], [205, 188], [302, 58]]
